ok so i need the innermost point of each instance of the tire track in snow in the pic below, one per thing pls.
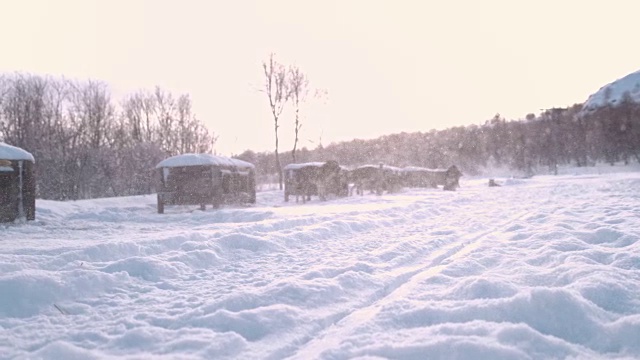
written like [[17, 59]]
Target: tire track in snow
[[399, 288]]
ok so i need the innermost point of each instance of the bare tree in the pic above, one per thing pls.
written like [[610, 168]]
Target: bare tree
[[277, 91], [132, 108], [93, 109], [183, 124], [165, 107], [85, 145], [22, 110], [142, 114], [299, 89]]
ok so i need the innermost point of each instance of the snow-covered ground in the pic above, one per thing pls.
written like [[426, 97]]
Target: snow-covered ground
[[540, 268]]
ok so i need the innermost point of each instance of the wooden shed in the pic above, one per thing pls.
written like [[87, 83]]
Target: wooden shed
[[296, 183], [201, 179], [422, 177], [17, 184], [315, 178]]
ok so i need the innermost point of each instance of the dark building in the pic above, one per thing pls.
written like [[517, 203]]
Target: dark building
[[201, 179], [17, 184]]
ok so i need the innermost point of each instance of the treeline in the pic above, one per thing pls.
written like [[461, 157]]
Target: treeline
[[538, 143], [88, 145]]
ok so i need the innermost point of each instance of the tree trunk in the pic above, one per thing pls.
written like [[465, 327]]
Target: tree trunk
[[278, 167]]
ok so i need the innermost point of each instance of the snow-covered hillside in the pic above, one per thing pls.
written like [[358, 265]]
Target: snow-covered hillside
[[540, 268], [611, 94]]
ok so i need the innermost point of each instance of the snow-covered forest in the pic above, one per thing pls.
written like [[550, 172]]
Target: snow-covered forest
[[87, 145], [533, 145], [90, 146]]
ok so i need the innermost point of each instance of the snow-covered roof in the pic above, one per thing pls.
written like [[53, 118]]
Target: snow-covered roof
[[9, 152], [417, 168], [302, 165], [414, 168], [203, 159], [386, 167], [368, 166], [612, 94]]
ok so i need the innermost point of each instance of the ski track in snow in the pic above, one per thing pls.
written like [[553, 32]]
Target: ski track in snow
[[356, 277]]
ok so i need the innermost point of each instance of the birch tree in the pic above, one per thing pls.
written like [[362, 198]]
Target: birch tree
[[276, 88], [299, 89]]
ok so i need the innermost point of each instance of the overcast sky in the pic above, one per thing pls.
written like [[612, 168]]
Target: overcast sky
[[388, 66]]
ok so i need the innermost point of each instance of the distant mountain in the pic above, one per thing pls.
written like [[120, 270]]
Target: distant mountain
[[611, 94]]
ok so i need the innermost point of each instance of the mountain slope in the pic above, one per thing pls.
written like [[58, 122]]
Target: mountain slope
[[612, 93]]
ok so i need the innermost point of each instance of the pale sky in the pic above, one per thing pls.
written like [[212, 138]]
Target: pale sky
[[388, 66]]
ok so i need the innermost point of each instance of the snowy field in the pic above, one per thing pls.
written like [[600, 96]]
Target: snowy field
[[540, 268]]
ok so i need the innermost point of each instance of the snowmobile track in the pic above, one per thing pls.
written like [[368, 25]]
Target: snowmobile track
[[397, 289]]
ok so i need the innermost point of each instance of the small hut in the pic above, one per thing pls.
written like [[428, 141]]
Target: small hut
[[376, 178], [17, 184], [200, 179], [298, 182], [414, 176], [315, 178]]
